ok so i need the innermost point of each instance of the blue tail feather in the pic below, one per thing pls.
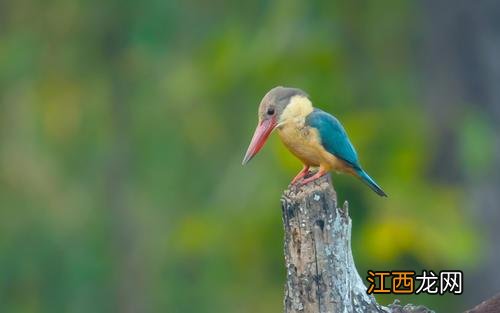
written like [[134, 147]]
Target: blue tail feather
[[370, 182]]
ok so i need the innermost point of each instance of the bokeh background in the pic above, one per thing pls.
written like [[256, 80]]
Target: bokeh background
[[123, 125]]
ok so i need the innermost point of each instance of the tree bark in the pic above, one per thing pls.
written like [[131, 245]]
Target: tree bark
[[491, 305], [321, 275]]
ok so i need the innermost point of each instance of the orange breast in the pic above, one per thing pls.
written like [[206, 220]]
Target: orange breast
[[304, 143]]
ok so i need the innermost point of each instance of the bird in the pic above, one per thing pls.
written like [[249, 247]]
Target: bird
[[315, 137]]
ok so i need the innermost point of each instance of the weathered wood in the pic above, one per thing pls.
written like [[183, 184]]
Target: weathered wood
[[491, 305], [321, 275]]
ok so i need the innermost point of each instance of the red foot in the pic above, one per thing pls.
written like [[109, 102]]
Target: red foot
[[319, 174], [301, 174]]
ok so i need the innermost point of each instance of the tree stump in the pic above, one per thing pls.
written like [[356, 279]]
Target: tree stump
[[321, 275]]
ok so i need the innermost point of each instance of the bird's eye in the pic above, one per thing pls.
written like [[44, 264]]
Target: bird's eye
[[270, 111]]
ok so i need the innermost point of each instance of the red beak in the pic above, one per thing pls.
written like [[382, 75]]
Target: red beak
[[259, 138]]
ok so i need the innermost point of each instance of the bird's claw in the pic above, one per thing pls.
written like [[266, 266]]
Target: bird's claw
[[319, 174], [300, 175]]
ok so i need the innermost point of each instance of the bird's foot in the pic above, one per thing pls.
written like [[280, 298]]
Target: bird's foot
[[301, 174], [319, 174]]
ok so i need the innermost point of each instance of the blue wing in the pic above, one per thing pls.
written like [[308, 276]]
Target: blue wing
[[333, 137]]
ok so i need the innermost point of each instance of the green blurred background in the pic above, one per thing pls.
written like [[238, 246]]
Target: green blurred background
[[123, 125]]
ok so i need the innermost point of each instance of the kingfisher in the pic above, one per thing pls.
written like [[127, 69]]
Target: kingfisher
[[315, 137]]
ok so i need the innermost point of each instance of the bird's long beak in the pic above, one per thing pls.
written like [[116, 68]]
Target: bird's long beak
[[259, 138]]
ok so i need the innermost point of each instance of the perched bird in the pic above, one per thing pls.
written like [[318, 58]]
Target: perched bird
[[314, 136]]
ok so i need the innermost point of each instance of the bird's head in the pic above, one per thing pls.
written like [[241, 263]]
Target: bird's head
[[270, 113]]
